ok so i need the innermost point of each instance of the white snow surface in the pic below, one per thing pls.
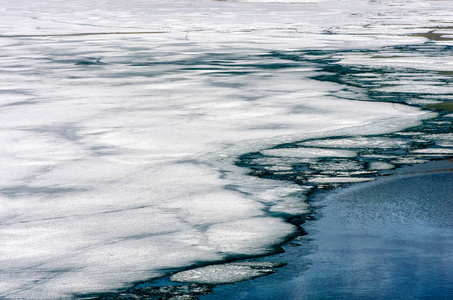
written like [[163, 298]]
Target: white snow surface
[[117, 149]]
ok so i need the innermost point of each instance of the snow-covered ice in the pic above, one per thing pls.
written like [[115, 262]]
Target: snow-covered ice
[[121, 122]]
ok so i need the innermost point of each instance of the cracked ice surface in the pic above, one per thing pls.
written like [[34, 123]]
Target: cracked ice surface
[[117, 150]]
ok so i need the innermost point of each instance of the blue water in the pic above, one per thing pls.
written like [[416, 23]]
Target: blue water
[[390, 239]]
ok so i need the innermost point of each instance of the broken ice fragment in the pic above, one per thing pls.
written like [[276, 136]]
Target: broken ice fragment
[[227, 273]]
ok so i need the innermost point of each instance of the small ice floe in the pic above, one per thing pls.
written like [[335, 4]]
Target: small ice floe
[[434, 151], [309, 152], [380, 165], [321, 180], [408, 160], [227, 273], [377, 156], [358, 142], [357, 173], [443, 140]]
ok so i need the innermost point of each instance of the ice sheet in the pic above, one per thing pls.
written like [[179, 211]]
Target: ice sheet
[[118, 143]]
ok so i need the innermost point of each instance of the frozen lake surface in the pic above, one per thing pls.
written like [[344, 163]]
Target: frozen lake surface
[[129, 130]]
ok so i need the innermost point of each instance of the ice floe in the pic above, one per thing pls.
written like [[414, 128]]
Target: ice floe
[[339, 179], [227, 273], [308, 152], [358, 142]]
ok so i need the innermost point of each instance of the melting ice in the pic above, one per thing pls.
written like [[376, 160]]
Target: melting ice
[[121, 123]]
